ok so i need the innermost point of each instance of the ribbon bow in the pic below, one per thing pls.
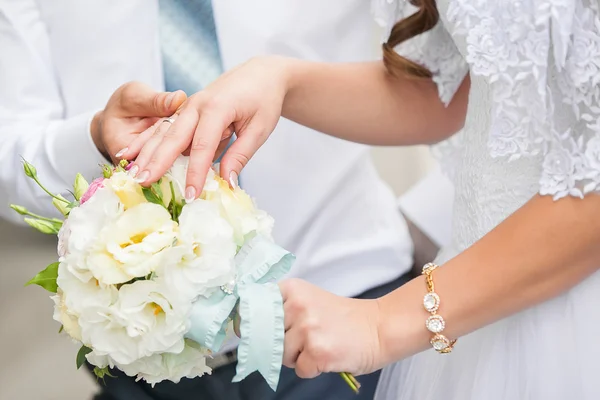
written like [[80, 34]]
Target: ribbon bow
[[259, 263]]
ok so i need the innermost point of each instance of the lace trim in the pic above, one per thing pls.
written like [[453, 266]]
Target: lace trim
[[434, 50], [541, 59], [540, 55]]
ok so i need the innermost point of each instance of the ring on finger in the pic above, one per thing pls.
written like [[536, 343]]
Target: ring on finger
[[170, 120]]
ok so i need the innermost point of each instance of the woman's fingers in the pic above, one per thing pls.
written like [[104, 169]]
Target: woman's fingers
[[140, 168], [306, 367], [292, 347], [163, 148], [245, 146], [133, 149], [207, 137]]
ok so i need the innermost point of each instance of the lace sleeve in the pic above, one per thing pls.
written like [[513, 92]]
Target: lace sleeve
[[572, 163], [434, 49], [541, 59]]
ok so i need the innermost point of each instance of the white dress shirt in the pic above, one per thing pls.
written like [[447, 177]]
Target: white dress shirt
[[62, 59]]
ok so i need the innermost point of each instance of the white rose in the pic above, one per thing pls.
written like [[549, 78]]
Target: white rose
[[146, 320], [132, 246], [82, 228], [239, 210], [204, 256], [68, 319], [79, 296], [189, 363], [63, 240], [74, 296]]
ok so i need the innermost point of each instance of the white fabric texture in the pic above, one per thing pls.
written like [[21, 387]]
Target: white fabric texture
[[533, 126]]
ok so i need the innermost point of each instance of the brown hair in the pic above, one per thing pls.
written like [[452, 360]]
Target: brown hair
[[422, 21]]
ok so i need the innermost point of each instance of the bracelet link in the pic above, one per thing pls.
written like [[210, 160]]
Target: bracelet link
[[435, 323]]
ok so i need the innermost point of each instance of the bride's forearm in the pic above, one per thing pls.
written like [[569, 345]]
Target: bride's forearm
[[361, 102], [542, 250]]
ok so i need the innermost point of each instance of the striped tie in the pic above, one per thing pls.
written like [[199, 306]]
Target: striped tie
[[189, 45]]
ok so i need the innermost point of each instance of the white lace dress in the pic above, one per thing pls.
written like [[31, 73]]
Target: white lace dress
[[533, 125]]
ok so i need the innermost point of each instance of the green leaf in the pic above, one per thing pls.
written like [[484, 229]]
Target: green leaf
[[20, 209], [48, 227], [83, 351], [62, 328], [156, 189], [80, 186], [46, 278], [151, 196]]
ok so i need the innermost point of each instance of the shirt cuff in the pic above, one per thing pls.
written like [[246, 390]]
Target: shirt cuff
[[429, 206], [72, 149]]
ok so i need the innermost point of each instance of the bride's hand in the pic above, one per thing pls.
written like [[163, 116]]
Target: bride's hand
[[246, 100], [328, 333]]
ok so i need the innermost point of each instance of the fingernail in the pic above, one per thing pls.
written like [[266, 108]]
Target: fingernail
[[190, 194], [143, 177], [233, 179], [134, 170], [169, 99], [121, 152]]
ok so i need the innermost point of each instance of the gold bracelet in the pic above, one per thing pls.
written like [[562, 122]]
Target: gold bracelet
[[435, 323]]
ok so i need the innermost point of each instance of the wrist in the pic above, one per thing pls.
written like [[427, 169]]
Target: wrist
[[96, 133], [292, 73], [401, 328]]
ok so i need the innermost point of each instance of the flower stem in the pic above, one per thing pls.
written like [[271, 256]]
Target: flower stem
[[35, 178], [54, 220], [351, 381]]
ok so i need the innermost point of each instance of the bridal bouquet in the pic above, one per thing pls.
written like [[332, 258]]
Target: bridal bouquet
[[148, 283]]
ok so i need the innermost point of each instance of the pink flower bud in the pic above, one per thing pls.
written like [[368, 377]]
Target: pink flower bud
[[95, 185]]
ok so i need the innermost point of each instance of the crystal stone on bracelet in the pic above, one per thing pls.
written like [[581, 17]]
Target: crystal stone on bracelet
[[435, 323], [431, 302], [429, 267], [439, 342]]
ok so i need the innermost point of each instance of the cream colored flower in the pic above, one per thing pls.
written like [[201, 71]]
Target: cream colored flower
[[132, 246], [126, 188]]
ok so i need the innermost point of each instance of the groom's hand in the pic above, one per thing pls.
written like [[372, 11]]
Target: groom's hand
[[130, 112]]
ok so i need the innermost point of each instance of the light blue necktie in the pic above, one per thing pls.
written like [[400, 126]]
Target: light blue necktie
[[189, 45]]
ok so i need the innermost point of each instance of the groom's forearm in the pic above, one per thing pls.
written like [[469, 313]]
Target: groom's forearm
[[361, 102], [542, 250]]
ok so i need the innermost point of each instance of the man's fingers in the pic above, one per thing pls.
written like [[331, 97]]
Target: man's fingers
[[140, 100]]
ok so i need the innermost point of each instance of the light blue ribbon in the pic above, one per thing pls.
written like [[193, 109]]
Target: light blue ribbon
[[259, 264]]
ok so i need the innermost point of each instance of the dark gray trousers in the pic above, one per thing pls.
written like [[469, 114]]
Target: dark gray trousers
[[218, 386]]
